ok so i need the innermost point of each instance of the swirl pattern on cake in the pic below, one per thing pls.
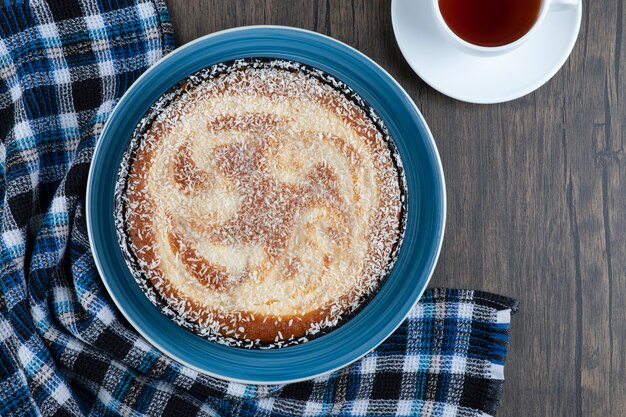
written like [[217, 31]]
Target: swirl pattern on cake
[[261, 203]]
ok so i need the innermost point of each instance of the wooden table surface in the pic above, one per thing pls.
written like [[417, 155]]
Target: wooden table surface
[[536, 195]]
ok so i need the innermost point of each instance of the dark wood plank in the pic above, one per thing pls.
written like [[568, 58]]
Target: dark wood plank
[[536, 194], [598, 187]]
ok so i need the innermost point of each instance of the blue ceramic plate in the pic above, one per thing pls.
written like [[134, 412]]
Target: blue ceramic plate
[[418, 254]]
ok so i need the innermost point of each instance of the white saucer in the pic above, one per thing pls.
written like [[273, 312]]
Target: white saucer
[[446, 67]]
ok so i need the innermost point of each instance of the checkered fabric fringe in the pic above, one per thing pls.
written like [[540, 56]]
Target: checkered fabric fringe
[[64, 348]]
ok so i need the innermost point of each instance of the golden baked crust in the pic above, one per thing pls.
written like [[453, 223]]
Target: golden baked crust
[[263, 205]]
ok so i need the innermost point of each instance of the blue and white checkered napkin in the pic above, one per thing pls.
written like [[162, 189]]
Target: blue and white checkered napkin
[[64, 348]]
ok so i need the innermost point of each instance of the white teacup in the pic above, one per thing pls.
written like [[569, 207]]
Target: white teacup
[[547, 6]]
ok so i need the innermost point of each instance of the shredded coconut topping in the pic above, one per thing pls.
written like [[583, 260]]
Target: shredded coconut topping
[[260, 203]]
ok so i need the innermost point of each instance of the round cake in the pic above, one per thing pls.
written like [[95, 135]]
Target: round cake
[[260, 203]]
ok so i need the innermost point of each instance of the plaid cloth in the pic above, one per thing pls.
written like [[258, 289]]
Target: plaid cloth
[[64, 348]]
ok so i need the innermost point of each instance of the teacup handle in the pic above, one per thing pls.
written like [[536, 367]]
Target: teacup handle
[[558, 5]]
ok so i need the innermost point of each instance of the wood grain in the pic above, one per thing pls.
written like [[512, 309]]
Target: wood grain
[[536, 195]]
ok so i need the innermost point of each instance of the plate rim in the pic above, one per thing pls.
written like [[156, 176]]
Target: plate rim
[[99, 145]]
